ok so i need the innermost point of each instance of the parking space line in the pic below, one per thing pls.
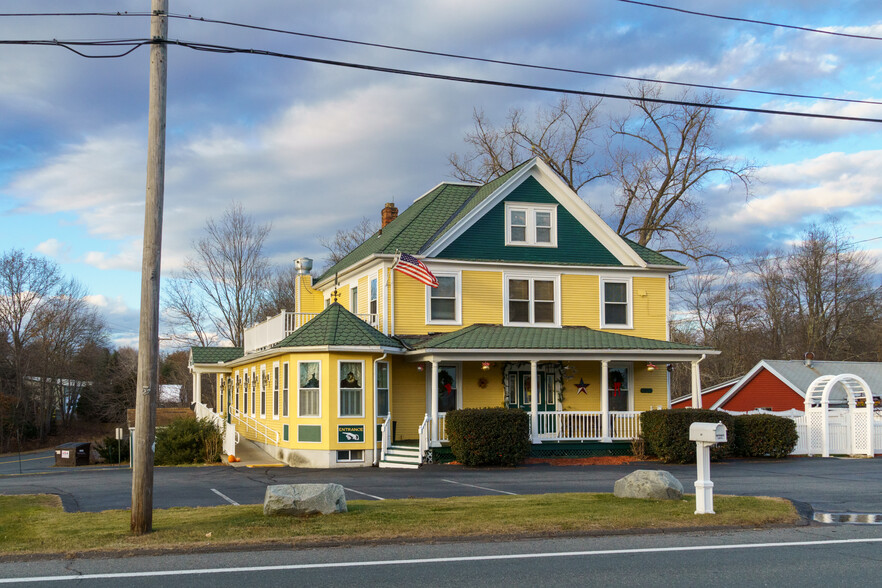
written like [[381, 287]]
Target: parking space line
[[481, 487], [225, 497], [363, 493]]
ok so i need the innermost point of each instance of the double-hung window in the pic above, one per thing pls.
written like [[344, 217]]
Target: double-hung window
[[372, 304], [531, 224], [444, 303], [532, 301], [275, 390], [309, 395], [263, 383], [351, 388], [285, 390], [353, 300], [382, 389], [616, 303]]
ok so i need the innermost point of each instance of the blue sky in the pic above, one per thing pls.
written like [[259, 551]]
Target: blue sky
[[314, 148]]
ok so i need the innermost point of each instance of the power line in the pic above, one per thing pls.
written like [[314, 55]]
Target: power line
[[133, 44], [212, 48], [752, 21], [462, 56], [495, 83], [515, 63]]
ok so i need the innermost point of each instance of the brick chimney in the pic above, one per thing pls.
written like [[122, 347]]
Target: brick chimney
[[390, 213]]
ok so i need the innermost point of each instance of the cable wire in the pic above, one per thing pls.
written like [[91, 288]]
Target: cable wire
[[751, 21]]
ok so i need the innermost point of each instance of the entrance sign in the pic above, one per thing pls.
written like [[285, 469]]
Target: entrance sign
[[350, 433]]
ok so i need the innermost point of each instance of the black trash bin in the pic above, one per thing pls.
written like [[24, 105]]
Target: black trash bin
[[72, 454]]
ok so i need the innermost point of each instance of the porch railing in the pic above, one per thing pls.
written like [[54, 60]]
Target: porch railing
[[564, 425], [385, 434], [276, 328], [259, 429], [424, 434]]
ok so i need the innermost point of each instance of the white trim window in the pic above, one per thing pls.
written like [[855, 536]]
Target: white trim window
[[245, 385], [353, 300], [532, 300], [253, 392], [276, 391], [382, 388], [263, 379], [372, 302], [533, 225], [444, 303], [615, 303], [285, 396], [351, 391], [309, 389]]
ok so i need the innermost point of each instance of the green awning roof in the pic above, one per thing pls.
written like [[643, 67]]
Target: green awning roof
[[336, 326], [215, 354]]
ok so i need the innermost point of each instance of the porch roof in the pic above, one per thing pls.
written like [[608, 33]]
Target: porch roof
[[214, 355], [480, 337]]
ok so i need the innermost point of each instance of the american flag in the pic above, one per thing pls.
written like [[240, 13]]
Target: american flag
[[413, 267]]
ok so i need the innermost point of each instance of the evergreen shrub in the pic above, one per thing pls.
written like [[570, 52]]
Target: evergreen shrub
[[188, 441], [489, 436], [666, 433], [761, 435], [113, 450]]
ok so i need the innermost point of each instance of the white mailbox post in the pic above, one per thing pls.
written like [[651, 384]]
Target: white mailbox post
[[705, 435]]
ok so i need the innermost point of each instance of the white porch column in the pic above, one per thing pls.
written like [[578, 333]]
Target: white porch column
[[696, 385], [604, 402], [534, 400], [434, 401], [197, 387]]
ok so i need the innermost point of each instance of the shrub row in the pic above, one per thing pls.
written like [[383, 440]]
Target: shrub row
[[666, 434], [760, 435], [489, 436], [113, 450], [188, 441]]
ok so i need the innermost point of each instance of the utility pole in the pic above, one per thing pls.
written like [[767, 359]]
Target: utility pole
[[148, 340]]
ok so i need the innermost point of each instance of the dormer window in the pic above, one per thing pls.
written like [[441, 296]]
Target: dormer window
[[533, 225]]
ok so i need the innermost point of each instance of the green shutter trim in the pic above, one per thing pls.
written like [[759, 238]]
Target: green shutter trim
[[309, 433], [284, 432]]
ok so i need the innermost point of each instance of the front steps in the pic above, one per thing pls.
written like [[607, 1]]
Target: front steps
[[401, 456]]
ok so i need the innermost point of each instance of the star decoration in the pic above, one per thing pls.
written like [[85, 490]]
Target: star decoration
[[582, 387]]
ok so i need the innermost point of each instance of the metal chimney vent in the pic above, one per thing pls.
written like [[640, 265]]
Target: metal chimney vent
[[303, 265]]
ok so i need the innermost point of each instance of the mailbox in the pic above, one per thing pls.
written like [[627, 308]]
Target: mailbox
[[708, 432]]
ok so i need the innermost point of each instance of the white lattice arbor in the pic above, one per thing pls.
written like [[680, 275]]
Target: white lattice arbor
[[860, 414]]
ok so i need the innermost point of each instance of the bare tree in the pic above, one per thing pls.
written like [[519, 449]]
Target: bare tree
[[562, 135], [662, 156], [345, 240], [225, 278], [281, 292]]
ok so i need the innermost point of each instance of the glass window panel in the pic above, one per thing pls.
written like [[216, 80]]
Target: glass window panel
[[543, 312], [518, 217], [350, 388], [353, 301], [275, 391], [446, 287], [543, 290], [382, 375], [513, 388], [616, 314], [382, 403], [444, 310], [519, 234], [543, 219], [285, 390], [615, 292], [519, 311], [310, 394], [447, 388], [519, 289], [543, 235]]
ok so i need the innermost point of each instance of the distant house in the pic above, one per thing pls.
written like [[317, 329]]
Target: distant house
[[539, 306], [708, 395], [780, 385]]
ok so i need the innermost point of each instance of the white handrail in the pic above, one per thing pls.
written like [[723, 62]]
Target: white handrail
[[228, 431], [253, 424], [423, 432], [384, 434]]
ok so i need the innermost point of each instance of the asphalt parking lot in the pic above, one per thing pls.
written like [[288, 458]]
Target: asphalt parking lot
[[829, 485]]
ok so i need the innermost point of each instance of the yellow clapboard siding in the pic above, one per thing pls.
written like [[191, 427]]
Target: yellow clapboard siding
[[481, 298], [656, 380], [649, 308], [580, 301], [408, 397], [473, 396], [589, 372]]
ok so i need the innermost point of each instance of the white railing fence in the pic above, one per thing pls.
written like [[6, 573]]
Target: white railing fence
[[385, 436], [259, 429], [276, 328]]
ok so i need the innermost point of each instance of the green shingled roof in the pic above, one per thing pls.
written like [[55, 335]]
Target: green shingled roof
[[336, 326], [576, 338], [215, 354], [436, 213]]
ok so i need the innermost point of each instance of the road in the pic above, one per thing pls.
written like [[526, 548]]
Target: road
[[806, 556], [829, 485]]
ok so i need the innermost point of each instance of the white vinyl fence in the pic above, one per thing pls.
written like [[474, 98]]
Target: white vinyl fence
[[839, 431]]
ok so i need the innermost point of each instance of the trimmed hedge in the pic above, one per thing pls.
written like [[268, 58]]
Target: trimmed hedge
[[186, 441], [666, 433], [489, 436], [761, 435]]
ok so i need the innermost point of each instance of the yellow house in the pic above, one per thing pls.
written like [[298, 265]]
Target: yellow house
[[539, 305]]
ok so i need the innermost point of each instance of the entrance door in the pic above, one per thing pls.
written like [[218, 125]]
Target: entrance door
[[619, 388], [519, 395]]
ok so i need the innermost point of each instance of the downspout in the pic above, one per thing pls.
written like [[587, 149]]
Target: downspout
[[376, 408]]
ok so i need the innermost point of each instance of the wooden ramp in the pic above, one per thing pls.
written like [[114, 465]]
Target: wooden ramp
[[252, 456]]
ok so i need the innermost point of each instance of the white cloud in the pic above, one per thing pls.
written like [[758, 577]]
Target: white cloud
[[55, 249]]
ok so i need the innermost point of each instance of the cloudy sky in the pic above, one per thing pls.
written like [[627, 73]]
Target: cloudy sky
[[313, 148]]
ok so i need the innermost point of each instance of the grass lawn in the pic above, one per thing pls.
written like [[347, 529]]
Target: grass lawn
[[37, 523]]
